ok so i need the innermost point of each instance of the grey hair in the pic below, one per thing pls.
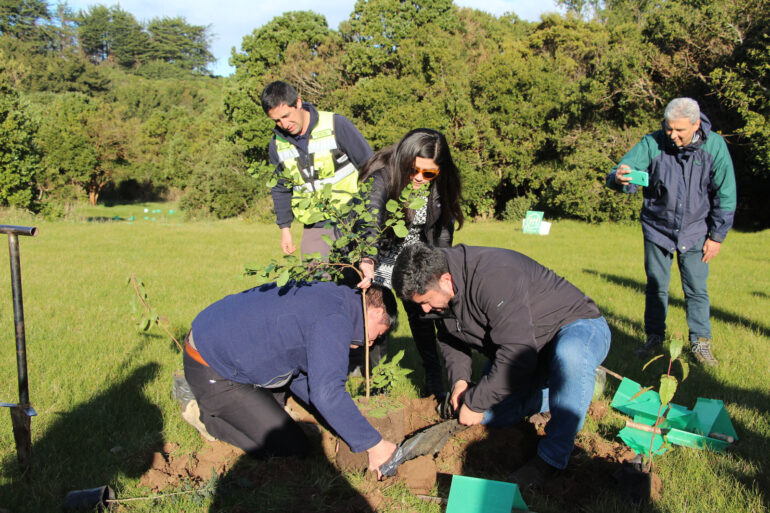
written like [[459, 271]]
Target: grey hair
[[679, 108]]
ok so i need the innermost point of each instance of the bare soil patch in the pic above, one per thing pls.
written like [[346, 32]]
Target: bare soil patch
[[478, 451]]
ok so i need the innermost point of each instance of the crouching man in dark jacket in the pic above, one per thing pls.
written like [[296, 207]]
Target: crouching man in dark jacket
[[269, 339], [544, 339]]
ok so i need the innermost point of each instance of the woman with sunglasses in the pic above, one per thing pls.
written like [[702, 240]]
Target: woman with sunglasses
[[421, 159]]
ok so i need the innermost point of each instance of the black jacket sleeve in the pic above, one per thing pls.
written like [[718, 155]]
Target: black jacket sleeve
[[351, 142]]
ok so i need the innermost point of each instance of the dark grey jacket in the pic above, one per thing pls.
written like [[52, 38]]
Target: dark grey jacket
[[508, 307]]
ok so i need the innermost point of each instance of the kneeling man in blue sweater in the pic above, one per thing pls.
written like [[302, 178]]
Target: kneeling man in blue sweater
[[245, 349]]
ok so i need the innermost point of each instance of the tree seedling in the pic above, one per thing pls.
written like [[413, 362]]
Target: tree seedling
[[358, 234], [667, 390], [149, 316]]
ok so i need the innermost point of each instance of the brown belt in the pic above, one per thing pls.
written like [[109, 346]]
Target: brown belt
[[194, 354]]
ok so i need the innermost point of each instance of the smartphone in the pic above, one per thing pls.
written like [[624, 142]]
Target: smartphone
[[639, 178]]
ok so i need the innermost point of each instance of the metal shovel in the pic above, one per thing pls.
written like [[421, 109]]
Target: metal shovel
[[23, 410]]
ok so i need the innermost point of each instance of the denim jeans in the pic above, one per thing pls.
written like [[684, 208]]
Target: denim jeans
[[657, 266], [573, 355]]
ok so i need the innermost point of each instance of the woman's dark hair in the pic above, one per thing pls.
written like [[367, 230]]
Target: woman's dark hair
[[396, 163]]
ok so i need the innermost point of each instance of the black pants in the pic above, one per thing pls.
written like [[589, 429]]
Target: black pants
[[424, 335], [243, 415]]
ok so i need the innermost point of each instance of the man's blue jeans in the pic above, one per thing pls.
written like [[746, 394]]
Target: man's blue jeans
[[573, 355], [657, 265]]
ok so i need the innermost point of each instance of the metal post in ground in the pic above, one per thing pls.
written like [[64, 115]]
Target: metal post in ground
[[21, 411]]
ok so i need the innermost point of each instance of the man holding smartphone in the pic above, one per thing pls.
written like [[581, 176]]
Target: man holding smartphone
[[688, 208]]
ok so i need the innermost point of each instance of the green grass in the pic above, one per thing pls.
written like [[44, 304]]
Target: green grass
[[97, 383]]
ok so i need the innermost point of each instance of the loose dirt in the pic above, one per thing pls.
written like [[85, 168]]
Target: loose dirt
[[478, 451]]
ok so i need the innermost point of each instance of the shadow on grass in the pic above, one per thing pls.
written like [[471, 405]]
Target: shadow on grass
[[716, 313], [287, 484], [111, 435], [753, 445]]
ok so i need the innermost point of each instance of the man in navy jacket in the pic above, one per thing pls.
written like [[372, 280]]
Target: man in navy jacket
[[688, 208], [248, 346]]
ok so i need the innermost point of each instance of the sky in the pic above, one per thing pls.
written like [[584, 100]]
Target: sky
[[230, 20]]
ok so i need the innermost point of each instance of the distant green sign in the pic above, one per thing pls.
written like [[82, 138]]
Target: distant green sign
[[532, 222]]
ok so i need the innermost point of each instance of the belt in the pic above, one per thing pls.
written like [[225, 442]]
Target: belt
[[191, 351]]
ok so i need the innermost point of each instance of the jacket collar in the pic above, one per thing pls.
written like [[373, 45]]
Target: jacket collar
[[457, 269], [354, 303]]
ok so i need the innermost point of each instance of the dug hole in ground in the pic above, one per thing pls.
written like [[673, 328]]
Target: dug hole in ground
[[479, 451]]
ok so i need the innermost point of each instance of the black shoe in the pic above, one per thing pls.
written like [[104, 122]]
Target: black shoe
[[533, 474], [652, 346]]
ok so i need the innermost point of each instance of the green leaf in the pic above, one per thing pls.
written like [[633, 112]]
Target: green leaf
[[341, 242], [675, 348], [685, 368], [668, 386], [401, 231], [417, 204], [283, 279], [272, 182], [144, 324], [648, 363], [328, 240], [391, 206]]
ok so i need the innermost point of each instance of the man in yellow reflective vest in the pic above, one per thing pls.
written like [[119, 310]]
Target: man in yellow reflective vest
[[314, 148]]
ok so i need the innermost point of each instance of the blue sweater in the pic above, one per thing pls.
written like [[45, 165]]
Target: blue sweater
[[268, 336]]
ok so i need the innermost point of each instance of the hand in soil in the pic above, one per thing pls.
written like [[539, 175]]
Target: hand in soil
[[380, 454], [458, 391], [469, 417]]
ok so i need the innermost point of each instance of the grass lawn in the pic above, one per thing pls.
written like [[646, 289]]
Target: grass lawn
[[102, 389]]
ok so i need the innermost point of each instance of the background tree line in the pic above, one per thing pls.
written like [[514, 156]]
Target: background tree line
[[537, 113]]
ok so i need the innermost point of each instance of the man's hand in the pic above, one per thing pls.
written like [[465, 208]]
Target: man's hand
[[287, 244], [469, 417], [710, 250], [379, 455], [458, 391], [367, 269], [620, 175]]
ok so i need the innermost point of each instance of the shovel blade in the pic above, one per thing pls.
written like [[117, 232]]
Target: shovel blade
[[22, 434]]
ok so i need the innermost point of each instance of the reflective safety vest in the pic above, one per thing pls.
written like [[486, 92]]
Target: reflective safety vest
[[324, 164]]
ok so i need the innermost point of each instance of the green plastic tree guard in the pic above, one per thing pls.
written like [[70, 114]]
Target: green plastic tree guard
[[475, 495]]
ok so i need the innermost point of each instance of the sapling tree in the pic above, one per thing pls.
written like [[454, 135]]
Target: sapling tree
[[358, 232], [667, 390], [149, 316]]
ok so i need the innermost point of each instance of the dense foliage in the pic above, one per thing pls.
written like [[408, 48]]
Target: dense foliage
[[537, 113]]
